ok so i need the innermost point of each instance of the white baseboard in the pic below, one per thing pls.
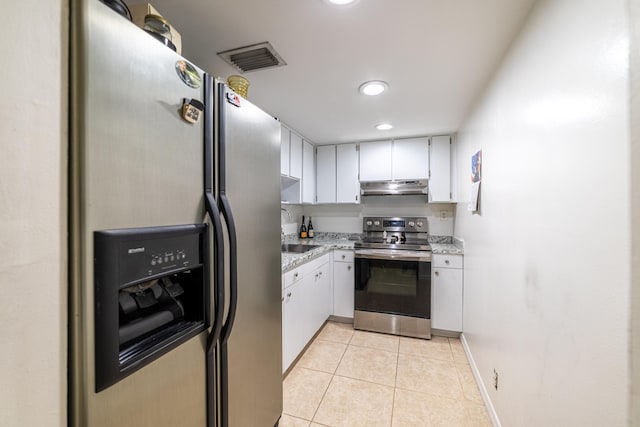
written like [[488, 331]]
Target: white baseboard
[[483, 389]]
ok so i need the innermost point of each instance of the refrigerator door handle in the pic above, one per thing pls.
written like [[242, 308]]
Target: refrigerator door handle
[[214, 214], [225, 207], [218, 290], [218, 260], [225, 210], [218, 278]]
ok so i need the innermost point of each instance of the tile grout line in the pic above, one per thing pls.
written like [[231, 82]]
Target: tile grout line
[[373, 348], [314, 370], [331, 381], [395, 384]]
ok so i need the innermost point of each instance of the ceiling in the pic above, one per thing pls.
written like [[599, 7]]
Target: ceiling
[[436, 56]]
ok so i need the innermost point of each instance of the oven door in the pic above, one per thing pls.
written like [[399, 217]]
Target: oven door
[[394, 282]]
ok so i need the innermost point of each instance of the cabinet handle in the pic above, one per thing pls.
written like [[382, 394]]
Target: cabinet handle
[[282, 300], [295, 275], [288, 294], [344, 256], [437, 273], [348, 268], [446, 261]]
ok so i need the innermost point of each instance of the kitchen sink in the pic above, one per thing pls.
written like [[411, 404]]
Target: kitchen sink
[[297, 248]]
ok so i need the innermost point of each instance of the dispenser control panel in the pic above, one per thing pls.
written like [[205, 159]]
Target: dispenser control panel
[[146, 253]]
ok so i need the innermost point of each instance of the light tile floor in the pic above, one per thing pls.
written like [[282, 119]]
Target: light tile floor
[[355, 378]]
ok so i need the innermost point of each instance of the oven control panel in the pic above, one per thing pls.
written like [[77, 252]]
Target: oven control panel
[[406, 224]]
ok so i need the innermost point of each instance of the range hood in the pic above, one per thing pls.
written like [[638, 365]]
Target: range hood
[[393, 188]]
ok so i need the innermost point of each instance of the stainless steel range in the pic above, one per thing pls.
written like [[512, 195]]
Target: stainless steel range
[[393, 277]]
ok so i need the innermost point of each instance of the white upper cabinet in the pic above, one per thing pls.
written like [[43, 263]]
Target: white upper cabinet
[[375, 161], [410, 159], [337, 174], [284, 150], [401, 159], [308, 173], [295, 155], [326, 174], [348, 187], [290, 153], [440, 185]]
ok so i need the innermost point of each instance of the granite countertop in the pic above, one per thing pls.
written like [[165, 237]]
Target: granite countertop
[[446, 245], [330, 241], [446, 248], [327, 242]]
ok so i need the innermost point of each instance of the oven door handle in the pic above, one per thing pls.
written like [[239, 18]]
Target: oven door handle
[[393, 257]]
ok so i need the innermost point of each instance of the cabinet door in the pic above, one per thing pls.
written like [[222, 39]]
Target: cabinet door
[[295, 155], [348, 187], [284, 329], [446, 301], [294, 312], [410, 158], [326, 174], [324, 300], [375, 161], [308, 173], [284, 150], [343, 289], [440, 169]]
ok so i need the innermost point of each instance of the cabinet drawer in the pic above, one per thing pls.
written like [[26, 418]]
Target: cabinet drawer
[[447, 261], [343, 256], [291, 277]]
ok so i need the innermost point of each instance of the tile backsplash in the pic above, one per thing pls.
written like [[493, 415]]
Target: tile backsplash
[[345, 218]]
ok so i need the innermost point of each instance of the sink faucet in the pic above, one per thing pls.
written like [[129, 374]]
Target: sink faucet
[[288, 213]]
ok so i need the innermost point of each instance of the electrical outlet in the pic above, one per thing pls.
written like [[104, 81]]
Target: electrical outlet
[[495, 379], [443, 215]]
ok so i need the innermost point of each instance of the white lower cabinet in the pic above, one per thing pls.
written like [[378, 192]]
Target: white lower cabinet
[[306, 304], [294, 312], [446, 292], [322, 300], [343, 283]]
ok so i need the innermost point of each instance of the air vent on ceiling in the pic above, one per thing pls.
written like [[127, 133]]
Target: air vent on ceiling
[[251, 58]]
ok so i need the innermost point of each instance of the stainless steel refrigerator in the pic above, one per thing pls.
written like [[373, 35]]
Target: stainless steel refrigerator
[[174, 249]]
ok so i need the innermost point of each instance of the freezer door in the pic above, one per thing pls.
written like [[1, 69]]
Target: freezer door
[[249, 146], [134, 163]]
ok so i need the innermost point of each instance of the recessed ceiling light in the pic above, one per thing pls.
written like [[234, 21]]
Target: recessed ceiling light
[[384, 126], [341, 2], [373, 87]]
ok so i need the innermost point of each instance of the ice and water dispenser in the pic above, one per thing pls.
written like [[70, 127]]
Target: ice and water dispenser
[[151, 295]]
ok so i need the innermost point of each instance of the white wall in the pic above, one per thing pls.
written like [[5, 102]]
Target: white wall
[[547, 261], [33, 305], [348, 218]]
